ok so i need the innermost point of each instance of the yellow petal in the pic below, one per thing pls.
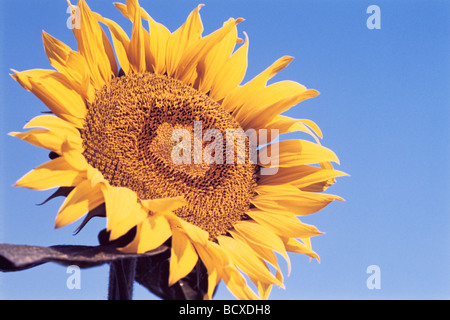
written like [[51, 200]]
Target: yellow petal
[[219, 260], [213, 263], [120, 41], [237, 284], [261, 79], [57, 51], [123, 211], [164, 204], [195, 54], [267, 254], [302, 177], [270, 102], [151, 234], [53, 124], [283, 224], [183, 257], [231, 74], [158, 231], [195, 234], [290, 153], [214, 61], [269, 111], [94, 46], [262, 95], [56, 91], [123, 9], [264, 290], [57, 131], [136, 48], [293, 245], [150, 46], [286, 125], [260, 236], [242, 96], [156, 52], [43, 138], [74, 157], [314, 127], [80, 201], [52, 174], [70, 63], [287, 198], [307, 242], [178, 42], [246, 260]]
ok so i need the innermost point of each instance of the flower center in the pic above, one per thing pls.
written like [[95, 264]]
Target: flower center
[[146, 132]]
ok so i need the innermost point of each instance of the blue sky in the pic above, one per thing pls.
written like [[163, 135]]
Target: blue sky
[[383, 108]]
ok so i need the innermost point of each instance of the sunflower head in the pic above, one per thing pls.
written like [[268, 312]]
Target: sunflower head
[[167, 142]]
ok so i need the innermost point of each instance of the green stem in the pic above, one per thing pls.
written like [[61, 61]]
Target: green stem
[[121, 279]]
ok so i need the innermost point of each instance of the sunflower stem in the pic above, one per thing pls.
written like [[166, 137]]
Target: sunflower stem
[[121, 279]]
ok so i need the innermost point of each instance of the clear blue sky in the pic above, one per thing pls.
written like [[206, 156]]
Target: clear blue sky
[[384, 109]]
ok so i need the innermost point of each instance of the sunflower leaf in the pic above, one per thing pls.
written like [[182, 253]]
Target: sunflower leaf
[[61, 192], [22, 257]]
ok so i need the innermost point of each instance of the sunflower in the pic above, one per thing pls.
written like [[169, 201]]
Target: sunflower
[[112, 149]]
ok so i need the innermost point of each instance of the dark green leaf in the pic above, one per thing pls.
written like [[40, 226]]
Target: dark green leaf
[[21, 257]]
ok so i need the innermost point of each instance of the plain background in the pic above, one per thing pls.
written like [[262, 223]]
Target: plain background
[[383, 108]]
